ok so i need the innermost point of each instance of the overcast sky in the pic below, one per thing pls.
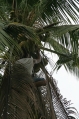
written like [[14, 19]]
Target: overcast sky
[[69, 86]]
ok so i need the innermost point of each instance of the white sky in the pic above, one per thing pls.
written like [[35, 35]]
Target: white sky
[[69, 86]]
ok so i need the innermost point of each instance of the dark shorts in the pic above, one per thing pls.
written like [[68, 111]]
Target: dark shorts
[[35, 79]]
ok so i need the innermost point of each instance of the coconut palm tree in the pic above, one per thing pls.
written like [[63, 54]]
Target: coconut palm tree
[[32, 24]]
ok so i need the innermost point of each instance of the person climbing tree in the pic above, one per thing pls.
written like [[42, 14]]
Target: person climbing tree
[[28, 62]]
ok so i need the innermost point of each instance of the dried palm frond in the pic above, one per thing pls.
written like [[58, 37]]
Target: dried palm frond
[[62, 107], [17, 95]]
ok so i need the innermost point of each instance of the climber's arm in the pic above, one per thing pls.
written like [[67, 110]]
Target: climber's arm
[[38, 60]]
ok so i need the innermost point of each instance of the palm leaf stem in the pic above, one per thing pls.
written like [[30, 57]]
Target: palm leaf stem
[[60, 54]]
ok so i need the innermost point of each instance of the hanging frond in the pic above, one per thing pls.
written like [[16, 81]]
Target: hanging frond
[[29, 12], [17, 95], [20, 29], [8, 44], [62, 107]]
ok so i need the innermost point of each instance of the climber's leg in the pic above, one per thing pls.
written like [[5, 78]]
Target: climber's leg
[[39, 81]]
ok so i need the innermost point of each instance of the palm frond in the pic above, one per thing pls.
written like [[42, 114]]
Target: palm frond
[[65, 45], [17, 95], [61, 11], [57, 30], [20, 29], [61, 106], [29, 12], [8, 44]]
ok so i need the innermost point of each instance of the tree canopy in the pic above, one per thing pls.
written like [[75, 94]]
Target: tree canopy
[[31, 24]]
